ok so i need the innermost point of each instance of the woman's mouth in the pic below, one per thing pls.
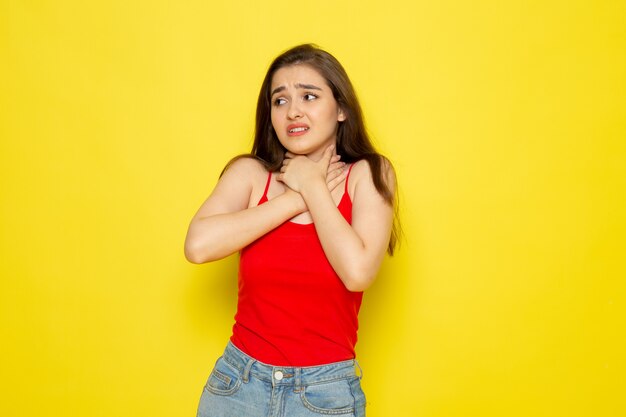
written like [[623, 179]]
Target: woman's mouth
[[297, 130]]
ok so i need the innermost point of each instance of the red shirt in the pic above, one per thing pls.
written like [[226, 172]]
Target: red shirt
[[293, 310]]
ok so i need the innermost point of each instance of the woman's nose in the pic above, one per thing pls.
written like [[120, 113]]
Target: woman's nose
[[294, 111]]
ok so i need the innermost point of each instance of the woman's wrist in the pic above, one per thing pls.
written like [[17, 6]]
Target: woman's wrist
[[295, 200], [314, 188]]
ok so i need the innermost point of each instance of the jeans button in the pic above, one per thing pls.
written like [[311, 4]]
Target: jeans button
[[278, 375]]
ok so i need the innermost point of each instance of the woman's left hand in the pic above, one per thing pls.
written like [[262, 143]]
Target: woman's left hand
[[299, 172]]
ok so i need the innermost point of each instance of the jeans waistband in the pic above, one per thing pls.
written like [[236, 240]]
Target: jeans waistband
[[288, 375]]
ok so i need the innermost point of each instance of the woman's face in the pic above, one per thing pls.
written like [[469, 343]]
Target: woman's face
[[305, 115]]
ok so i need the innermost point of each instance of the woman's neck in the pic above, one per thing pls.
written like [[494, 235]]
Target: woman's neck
[[317, 154]]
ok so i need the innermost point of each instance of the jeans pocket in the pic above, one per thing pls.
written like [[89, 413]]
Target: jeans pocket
[[330, 398], [225, 379]]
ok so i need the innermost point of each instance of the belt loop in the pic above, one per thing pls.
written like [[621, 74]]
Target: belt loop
[[246, 370], [297, 380], [360, 369]]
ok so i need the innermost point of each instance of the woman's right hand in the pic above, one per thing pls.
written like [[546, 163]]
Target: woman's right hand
[[335, 174], [306, 168]]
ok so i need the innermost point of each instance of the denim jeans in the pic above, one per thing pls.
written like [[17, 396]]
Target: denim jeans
[[240, 386]]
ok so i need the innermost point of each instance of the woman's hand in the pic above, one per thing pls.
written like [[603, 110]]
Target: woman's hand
[[299, 172]]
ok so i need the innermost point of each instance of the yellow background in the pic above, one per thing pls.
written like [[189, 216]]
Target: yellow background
[[507, 125]]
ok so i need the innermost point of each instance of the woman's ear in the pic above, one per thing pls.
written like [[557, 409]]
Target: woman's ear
[[341, 115]]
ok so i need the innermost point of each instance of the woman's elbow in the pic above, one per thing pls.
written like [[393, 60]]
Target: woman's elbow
[[203, 252], [196, 251], [193, 255], [357, 285], [358, 281]]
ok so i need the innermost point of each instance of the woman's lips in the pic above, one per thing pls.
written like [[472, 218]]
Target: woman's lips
[[297, 129]]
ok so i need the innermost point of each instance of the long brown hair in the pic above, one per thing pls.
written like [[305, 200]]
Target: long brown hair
[[353, 141]]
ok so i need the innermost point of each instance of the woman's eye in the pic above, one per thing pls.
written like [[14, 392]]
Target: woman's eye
[[309, 97], [279, 101]]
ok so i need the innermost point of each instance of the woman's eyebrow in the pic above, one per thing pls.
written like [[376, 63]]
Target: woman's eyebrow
[[299, 85], [308, 86], [278, 90]]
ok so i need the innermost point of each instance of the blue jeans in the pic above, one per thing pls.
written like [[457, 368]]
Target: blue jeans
[[240, 386]]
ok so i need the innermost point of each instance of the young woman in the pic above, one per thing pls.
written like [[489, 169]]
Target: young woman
[[311, 211]]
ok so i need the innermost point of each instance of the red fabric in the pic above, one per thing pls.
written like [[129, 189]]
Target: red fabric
[[293, 310]]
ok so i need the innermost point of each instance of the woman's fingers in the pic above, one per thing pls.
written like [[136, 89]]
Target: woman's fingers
[[335, 172], [328, 154], [297, 170], [335, 165], [332, 174], [334, 183]]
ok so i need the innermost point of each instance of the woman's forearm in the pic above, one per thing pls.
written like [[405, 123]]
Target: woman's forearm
[[214, 237], [355, 263]]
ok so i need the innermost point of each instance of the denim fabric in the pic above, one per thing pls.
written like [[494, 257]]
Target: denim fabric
[[240, 386]]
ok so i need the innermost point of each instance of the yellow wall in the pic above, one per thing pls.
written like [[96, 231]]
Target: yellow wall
[[506, 122]]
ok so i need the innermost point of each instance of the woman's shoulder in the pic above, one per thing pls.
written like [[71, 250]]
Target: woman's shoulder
[[248, 174], [374, 173], [245, 165], [371, 166]]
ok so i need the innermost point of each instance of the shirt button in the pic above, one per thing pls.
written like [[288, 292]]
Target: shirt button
[[278, 375]]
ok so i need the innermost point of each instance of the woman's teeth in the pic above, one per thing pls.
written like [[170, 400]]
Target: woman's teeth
[[298, 129]]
